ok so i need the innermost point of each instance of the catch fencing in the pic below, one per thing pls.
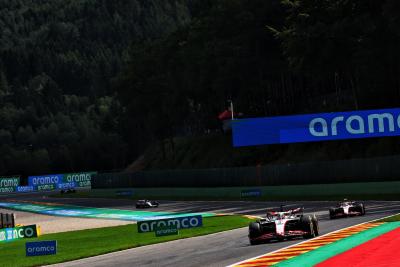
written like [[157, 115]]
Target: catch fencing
[[341, 171]]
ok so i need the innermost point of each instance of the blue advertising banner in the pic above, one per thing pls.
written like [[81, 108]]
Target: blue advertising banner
[[41, 248], [124, 193], [45, 182], [24, 189], [316, 127], [251, 193], [178, 222], [66, 186]]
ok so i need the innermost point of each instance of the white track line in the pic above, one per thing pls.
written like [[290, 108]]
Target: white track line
[[315, 238]]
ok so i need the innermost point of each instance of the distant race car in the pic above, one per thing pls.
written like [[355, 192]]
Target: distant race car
[[346, 208], [283, 225], [143, 203]]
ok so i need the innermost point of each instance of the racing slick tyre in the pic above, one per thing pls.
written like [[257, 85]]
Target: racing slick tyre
[[254, 242], [331, 214], [315, 225], [362, 209], [308, 227], [254, 231]]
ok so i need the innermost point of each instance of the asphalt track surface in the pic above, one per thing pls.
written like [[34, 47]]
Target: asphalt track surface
[[220, 249]]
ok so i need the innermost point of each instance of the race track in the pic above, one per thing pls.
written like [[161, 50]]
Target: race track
[[220, 249]]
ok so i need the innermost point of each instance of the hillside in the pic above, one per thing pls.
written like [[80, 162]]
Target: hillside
[[57, 60], [92, 84], [216, 151], [271, 58]]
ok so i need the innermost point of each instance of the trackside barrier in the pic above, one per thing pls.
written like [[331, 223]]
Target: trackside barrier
[[341, 171], [29, 231], [378, 169], [64, 182], [7, 220]]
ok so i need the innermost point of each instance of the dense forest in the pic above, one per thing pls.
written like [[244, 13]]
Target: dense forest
[[90, 84], [57, 59]]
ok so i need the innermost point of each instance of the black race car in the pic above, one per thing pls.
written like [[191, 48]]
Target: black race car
[[144, 203], [346, 208], [283, 225]]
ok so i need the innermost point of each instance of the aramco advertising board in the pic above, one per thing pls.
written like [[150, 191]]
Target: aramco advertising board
[[316, 127], [9, 184], [61, 181]]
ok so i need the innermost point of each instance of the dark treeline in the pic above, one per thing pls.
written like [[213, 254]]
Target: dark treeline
[[58, 109], [90, 84], [271, 58]]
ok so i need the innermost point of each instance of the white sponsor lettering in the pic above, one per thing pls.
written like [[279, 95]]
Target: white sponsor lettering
[[9, 182], [381, 124], [349, 125], [2, 236], [43, 180], [335, 121], [20, 232], [161, 224], [41, 249], [354, 125], [29, 232], [144, 227], [79, 177], [194, 222], [323, 125], [174, 222], [183, 222]]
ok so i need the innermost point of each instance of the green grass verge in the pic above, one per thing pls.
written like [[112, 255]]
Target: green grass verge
[[394, 218], [359, 191], [86, 243]]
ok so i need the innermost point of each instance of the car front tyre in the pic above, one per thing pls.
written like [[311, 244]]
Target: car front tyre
[[331, 214]]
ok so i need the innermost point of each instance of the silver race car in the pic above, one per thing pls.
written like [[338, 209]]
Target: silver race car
[[280, 225], [346, 208], [144, 203]]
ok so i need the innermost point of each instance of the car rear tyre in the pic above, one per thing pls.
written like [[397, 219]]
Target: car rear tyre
[[362, 209], [315, 224], [308, 226]]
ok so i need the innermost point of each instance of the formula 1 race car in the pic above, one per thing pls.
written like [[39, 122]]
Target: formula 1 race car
[[283, 225], [346, 208], [143, 203]]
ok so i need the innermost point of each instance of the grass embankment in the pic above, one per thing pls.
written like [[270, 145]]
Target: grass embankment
[[216, 151], [394, 218], [86, 243], [359, 191]]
